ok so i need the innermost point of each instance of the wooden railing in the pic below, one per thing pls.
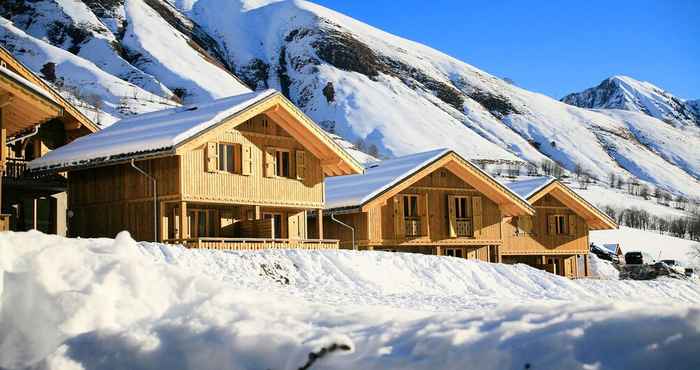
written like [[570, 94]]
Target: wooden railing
[[254, 243], [412, 227], [464, 228], [15, 168]]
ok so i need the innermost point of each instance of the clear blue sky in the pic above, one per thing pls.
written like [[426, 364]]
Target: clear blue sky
[[553, 47]]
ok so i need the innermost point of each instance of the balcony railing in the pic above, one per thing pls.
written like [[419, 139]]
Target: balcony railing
[[254, 243], [15, 168], [412, 227], [464, 227]]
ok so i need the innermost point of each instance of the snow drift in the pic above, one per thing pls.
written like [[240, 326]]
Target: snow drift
[[118, 304]]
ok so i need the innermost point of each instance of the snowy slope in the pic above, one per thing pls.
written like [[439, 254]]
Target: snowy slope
[[657, 245], [626, 93], [358, 82], [115, 304]]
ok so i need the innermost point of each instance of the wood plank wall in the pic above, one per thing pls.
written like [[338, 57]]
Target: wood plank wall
[[200, 185], [540, 240]]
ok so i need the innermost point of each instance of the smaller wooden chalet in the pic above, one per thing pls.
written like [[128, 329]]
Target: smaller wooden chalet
[[556, 237], [433, 203], [236, 173], [34, 119]]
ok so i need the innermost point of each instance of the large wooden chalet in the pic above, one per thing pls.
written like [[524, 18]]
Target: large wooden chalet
[[556, 237], [34, 119], [237, 173], [432, 203]]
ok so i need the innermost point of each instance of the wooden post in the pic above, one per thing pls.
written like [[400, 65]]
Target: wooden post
[[35, 209], [586, 268], [258, 214], [184, 232], [438, 251], [163, 223], [320, 224]]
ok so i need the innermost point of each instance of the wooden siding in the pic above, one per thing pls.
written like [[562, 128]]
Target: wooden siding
[[235, 188], [107, 200], [540, 240], [377, 227]]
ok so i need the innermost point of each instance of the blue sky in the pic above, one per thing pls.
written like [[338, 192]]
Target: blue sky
[[553, 47]]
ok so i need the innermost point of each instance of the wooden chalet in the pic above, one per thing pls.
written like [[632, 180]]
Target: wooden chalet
[[236, 173], [34, 119], [556, 237], [432, 203]]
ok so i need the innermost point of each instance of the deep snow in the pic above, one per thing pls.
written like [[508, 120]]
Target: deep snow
[[118, 304]]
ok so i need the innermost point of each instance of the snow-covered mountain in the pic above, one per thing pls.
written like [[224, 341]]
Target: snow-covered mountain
[[357, 81], [626, 93]]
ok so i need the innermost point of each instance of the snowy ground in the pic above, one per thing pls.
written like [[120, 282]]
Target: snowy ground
[[657, 245], [117, 304]]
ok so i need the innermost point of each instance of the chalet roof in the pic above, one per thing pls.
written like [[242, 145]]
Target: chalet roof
[[527, 188], [378, 178], [17, 72], [535, 188], [161, 132]]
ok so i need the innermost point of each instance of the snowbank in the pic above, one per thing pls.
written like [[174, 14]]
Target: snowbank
[[118, 304]]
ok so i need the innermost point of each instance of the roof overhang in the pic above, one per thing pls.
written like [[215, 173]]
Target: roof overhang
[[72, 118], [508, 202], [24, 105], [334, 159], [594, 217]]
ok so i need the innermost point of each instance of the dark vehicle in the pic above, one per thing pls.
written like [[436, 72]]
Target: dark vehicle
[[638, 258]]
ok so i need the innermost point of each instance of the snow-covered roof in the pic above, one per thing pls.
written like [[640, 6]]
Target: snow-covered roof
[[355, 190], [27, 84], [150, 132], [529, 187]]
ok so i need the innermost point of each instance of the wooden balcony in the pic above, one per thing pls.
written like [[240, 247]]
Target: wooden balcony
[[254, 243], [412, 227], [15, 168], [464, 228]]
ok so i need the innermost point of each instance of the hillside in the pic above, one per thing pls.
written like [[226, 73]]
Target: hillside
[[356, 81], [117, 304]]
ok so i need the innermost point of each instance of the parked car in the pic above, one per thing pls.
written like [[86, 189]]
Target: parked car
[[639, 258], [678, 267], [604, 254]]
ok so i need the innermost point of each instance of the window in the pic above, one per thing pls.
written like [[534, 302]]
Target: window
[[283, 163], [462, 208], [560, 224], [454, 252], [277, 218], [200, 222], [227, 158], [410, 206]]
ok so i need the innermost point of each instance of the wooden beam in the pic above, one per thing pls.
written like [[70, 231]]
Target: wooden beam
[[184, 232], [319, 219], [5, 100]]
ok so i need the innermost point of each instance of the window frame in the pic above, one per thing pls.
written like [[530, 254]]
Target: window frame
[[561, 224], [407, 207], [220, 156], [278, 163]]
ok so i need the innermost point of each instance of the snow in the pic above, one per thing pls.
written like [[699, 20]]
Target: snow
[[149, 132], [602, 269], [117, 304], [355, 190], [28, 84], [527, 188], [657, 245]]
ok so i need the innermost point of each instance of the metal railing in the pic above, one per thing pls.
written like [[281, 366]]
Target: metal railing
[[254, 243]]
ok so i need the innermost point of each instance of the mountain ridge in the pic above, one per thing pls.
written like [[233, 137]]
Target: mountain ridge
[[356, 81]]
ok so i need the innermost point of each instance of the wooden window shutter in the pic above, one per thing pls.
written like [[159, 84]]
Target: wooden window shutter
[[552, 225], [293, 226], [476, 216], [246, 160], [301, 164], [423, 213], [270, 162], [572, 225], [452, 215], [212, 157], [399, 223]]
